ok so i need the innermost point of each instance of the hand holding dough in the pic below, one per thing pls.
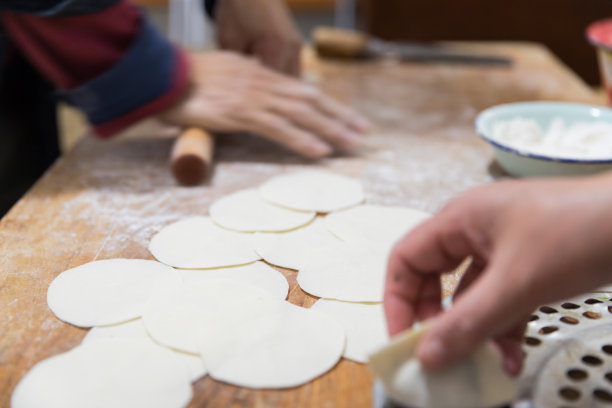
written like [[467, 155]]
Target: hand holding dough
[[478, 381]]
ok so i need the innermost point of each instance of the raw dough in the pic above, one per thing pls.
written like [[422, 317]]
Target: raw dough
[[108, 291], [290, 249], [197, 242], [279, 348], [111, 373], [170, 316], [479, 381], [353, 272], [384, 225], [313, 190], [135, 330], [246, 211], [258, 274], [364, 324]]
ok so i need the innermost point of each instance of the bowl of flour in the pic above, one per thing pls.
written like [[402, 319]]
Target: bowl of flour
[[549, 138]]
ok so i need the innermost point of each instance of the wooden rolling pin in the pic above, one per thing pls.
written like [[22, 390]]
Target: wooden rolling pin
[[192, 155]]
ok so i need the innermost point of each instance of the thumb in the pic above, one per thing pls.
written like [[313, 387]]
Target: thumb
[[489, 307]]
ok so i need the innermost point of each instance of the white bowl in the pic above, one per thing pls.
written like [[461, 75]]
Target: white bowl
[[522, 163]]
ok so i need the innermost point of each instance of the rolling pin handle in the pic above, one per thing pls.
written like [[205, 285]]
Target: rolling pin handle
[[340, 43], [191, 157]]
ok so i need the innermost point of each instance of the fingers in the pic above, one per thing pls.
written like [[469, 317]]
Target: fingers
[[478, 314], [284, 132], [412, 288], [510, 345], [313, 121], [292, 89]]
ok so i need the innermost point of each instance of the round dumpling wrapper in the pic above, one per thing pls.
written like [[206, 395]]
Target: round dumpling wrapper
[[293, 248], [246, 211], [198, 243], [135, 330], [108, 291], [257, 274], [313, 190], [364, 324], [114, 373]]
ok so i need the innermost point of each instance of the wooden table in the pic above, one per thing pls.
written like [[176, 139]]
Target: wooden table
[[105, 200]]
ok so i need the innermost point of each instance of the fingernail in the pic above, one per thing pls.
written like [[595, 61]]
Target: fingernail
[[352, 138], [512, 365], [432, 354], [362, 125], [320, 149]]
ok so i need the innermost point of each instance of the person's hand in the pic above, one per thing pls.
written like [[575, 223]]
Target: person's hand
[[532, 242], [262, 28], [234, 93]]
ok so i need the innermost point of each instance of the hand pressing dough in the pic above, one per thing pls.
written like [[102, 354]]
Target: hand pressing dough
[[353, 272], [384, 225], [364, 324], [257, 274], [111, 373], [108, 291], [246, 211], [280, 348], [313, 190], [290, 249], [478, 381], [170, 316], [135, 330], [198, 243]]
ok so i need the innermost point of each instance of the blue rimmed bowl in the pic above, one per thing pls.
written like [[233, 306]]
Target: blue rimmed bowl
[[522, 163]]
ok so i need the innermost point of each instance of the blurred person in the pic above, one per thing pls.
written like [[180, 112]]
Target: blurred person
[[105, 58]]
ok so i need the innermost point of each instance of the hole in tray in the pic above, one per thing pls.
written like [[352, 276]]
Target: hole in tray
[[591, 301], [607, 348], [532, 341], [570, 305], [602, 395], [576, 374], [535, 317], [569, 393], [592, 315], [548, 329], [569, 320], [608, 377], [547, 310], [592, 360]]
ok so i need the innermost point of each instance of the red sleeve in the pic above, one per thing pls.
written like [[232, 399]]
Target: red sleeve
[[75, 49], [112, 64]]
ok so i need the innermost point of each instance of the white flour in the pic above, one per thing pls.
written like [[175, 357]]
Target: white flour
[[580, 140]]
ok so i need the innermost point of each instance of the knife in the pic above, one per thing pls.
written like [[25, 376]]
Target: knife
[[348, 44]]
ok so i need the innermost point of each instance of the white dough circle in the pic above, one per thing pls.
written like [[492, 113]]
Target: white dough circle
[[291, 249], [107, 291], [170, 317], [246, 211], [114, 373], [280, 348], [257, 274], [364, 324], [383, 225], [313, 190], [353, 272], [197, 242], [135, 330]]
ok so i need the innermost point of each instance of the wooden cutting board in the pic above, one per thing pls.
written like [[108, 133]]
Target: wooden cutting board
[[105, 199]]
